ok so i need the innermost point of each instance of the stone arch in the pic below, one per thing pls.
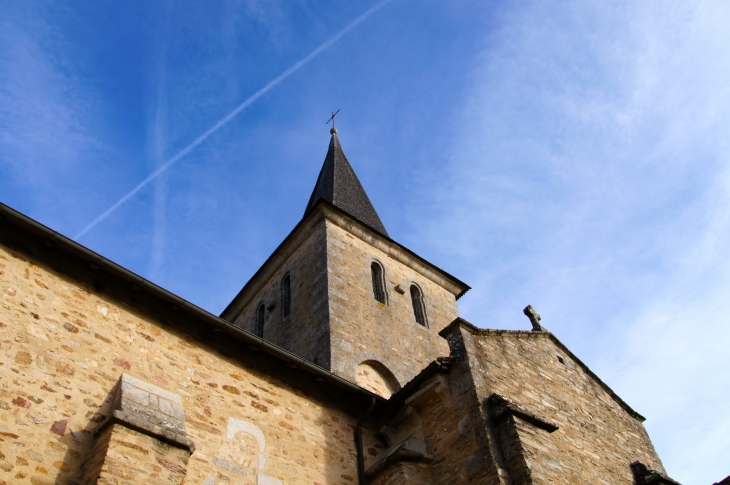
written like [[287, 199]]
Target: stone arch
[[377, 378]]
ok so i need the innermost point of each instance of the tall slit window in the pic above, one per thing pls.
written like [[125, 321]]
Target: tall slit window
[[419, 309], [285, 296], [258, 326], [378, 282]]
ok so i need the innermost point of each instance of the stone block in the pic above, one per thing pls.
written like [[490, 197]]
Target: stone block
[[172, 409], [144, 406]]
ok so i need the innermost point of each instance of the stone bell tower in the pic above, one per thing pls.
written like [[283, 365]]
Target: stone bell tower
[[339, 292]]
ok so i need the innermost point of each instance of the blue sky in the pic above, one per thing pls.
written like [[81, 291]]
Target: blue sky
[[571, 155]]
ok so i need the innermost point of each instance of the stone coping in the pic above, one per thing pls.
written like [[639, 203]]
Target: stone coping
[[500, 408], [138, 423], [151, 410], [408, 449], [645, 475]]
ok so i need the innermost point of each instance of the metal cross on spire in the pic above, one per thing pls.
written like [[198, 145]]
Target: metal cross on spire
[[332, 119]]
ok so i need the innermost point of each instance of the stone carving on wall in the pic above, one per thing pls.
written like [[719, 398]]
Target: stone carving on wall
[[242, 453]]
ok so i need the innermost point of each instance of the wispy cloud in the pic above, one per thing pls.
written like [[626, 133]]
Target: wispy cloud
[[226, 119], [157, 130], [593, 183], [45, 116]]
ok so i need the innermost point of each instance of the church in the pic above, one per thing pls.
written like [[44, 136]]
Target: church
[[342, 361]]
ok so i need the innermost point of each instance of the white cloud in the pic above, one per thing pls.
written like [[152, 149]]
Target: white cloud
[[593, 183]]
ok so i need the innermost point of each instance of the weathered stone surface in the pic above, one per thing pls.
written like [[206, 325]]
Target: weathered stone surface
[[126, 455], [596, 437], [305, 439], [59, 427]]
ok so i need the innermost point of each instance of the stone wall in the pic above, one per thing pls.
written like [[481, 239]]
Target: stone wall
[[305, 330], [335, 321], [514, 408], [63, 349], [596, 436], [362, 329], [122, 455], [377, 379], [437, 436]]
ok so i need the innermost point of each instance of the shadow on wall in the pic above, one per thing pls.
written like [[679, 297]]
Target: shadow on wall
[[79, 443], [337, 456]]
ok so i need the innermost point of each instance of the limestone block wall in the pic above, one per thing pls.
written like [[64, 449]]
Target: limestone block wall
[[515, 408], [362, 329], [305, 330], [596, 439], [63, 349]]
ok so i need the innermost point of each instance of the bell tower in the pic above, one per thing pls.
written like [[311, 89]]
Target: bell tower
[[339, 292]]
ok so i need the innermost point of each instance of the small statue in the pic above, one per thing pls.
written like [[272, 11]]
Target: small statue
[[534, 318]]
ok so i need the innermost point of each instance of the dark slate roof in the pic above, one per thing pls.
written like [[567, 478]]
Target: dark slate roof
[[338, 184]]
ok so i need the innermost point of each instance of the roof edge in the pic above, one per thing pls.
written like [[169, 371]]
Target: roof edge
[[84, 257], [488, 332]]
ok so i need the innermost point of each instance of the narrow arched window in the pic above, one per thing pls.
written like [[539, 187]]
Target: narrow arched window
[[285, 296], [378, 282], [419, 309], [258, 326]]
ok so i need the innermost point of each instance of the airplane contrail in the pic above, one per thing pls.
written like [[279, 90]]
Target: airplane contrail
[[230, 116]]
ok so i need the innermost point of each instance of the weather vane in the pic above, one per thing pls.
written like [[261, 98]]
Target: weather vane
[[332, 119]]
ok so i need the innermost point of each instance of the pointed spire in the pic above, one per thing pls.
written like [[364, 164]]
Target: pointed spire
[[338, 184]]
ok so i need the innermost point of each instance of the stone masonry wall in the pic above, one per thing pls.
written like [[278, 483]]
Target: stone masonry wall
[[454, 428], [445, 415], [362, 329], [305, 330], [597, 438], [62, 351], [127, 456]]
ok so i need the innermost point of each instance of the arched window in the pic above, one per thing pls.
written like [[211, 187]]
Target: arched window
[[285, 296], [258, 325], [419, 309], [378, 282]]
